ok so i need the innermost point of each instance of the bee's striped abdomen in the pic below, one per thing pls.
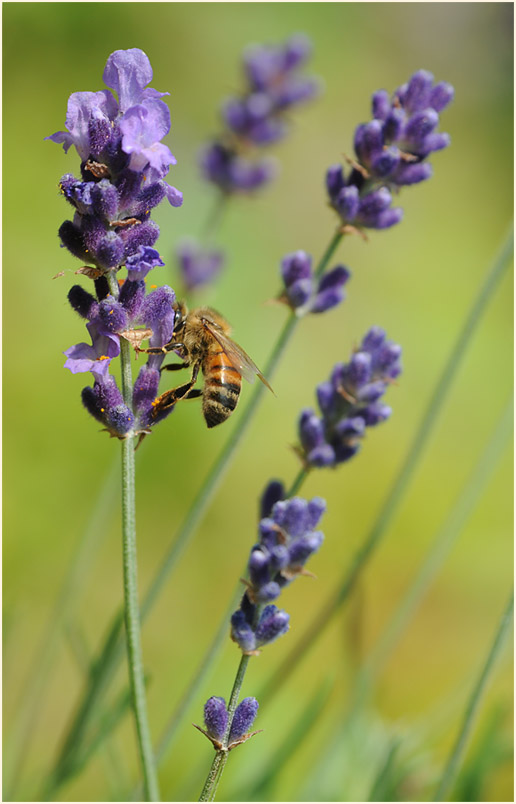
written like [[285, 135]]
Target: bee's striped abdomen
[[222, 384]]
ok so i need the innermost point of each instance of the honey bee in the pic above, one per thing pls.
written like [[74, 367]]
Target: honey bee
[[201, 338]]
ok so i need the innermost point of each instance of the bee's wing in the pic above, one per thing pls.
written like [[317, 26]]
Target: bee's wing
[[239, 359]]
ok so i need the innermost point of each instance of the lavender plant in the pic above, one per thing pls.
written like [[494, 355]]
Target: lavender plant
[[123, 167], [253, 120], [122, 170]]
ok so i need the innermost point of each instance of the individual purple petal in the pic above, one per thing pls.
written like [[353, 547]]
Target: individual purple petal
[[84, 107], [128, 72], [95, 358], [174, 196], [142, 128], [144, 260]]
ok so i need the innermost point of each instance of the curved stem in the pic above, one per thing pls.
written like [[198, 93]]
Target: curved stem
[[474, 702]]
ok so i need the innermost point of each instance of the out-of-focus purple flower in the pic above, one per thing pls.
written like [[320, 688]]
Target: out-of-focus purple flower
[[222, 165], [350, 401], [390, 152], [303, 293], [257, 117], [198, 265]]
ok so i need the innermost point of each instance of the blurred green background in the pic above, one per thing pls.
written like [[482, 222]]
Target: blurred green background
[[417, 281]]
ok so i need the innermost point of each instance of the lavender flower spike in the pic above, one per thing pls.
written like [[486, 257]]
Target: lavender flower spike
[[287, 539], [349, 402], [390, 152], [123, 164], [258, 116]]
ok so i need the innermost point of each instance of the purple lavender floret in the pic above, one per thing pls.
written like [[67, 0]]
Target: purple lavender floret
[[243, 719], [198, 265], [287, 539], [258, 116], [123, 164], [390, 152], [349, 402], [216, 717], [303, 293]]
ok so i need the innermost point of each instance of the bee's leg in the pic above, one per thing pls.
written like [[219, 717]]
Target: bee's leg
[[169, 398], [174, 366], [172, 346], [194, 393]]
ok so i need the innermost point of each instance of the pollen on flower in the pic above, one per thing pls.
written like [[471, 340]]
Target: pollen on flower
[[153, 286], [103, 357]]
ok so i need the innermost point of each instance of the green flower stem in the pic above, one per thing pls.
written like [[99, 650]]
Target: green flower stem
[[111, 650], [402, 481], [457, 752], [298, 482], [131, 604]]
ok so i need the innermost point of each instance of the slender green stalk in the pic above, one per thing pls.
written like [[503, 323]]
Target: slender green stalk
[[298, 482], [131, 604], [111, 650], [402, 481], [132, 622], [473, 704]]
